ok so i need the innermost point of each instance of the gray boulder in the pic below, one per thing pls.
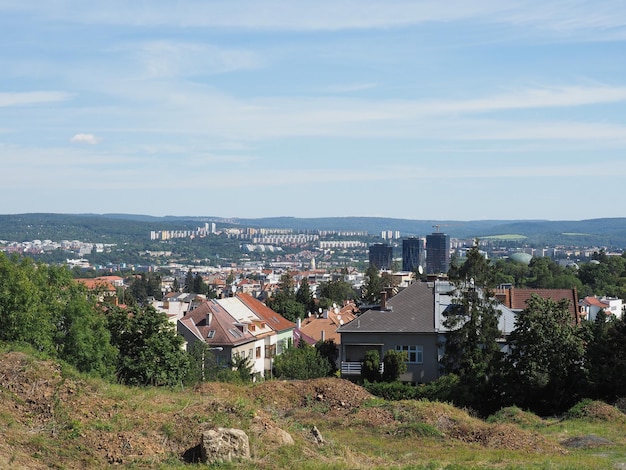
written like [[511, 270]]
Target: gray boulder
[[224, 445]]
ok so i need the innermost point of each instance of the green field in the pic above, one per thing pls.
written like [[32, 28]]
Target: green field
[[507, 236]]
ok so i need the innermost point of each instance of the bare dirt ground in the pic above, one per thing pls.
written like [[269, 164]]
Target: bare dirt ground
[[49, 420]]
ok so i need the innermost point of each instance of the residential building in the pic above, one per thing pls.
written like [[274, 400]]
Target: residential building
[[589, 307], [323, 326], [237, 326], [516, 298], [411, 321]]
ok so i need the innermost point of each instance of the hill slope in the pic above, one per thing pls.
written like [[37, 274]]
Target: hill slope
[[52, 418]]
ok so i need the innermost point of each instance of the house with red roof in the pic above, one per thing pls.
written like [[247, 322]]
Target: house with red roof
[[238, 326], [516, 298], [590, 306]]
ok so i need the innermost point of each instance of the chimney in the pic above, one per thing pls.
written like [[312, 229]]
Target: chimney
[[299, 323], [383, 300], [323, 336]]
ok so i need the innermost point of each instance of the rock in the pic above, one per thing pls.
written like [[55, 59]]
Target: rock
[[282, 437], [317, 435], [266, 430], [224, 445]]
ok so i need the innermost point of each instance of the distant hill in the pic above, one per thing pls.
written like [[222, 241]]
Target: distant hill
[[609, 232]]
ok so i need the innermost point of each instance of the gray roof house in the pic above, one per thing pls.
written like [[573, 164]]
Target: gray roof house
[[410, 321]]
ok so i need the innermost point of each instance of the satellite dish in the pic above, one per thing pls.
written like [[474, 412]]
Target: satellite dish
[[420, 269]]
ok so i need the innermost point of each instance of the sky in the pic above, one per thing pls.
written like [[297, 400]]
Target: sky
[[413, 109]]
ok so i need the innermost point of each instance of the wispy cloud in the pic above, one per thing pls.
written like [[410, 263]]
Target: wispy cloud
[[332, 15], [32, 97], [90, 139], [173, 58]]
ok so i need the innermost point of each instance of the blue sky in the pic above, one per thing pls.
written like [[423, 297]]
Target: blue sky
[[412, 109]]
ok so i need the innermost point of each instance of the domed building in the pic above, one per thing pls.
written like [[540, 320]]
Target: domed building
[[521, 258]]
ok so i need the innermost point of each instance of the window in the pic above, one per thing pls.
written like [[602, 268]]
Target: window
[[415, 353], [211, 334], [258, 352], [250, 351], [270, 350]]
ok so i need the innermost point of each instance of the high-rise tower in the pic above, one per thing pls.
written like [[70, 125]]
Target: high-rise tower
[[381, 255], [437, 253], [412, 253]]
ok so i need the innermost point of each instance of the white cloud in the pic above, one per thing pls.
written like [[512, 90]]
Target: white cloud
[[85, 139], [558, 16], [32, 97], [174, 58]]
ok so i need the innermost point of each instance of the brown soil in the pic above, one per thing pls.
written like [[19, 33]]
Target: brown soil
[[48, 420]]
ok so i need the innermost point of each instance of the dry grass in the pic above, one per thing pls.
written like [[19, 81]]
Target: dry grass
[[49, 419]]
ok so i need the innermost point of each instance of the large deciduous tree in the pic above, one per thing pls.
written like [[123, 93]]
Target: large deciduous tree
[[150, 350], [545, 365]]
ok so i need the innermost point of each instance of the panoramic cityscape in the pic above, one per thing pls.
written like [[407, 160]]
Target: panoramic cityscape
[[320, 235]]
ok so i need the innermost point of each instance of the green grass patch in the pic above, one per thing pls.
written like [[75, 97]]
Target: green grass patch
[[505, 237]]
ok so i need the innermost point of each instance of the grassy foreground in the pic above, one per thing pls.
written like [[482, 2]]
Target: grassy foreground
[[51, 417]]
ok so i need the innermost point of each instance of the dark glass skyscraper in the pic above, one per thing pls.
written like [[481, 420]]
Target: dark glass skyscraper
[[381, 255], [437, 253], [412, 253]]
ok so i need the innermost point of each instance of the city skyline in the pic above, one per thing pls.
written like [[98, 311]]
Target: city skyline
[[416, 110]]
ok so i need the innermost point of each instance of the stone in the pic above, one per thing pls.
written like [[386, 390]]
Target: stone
[[224, 445], [317, 435]]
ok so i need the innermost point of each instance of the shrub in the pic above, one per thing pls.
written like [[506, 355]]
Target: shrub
[[370, 370]]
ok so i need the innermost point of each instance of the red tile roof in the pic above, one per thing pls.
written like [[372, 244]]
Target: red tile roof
[[221, 323], [274, 320], [516, 298]]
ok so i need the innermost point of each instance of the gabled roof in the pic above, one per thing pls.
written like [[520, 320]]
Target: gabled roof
[[222, 324], [97, 283], [410, 311], [274, 320], [516, 298], [326, 327], [594, 301]]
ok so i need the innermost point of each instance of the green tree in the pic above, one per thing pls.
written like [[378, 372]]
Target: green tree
[[43, 306], [545, 363], [301, 362], [335, 291], [370, 369], [394, 364], [242, 366], [373, 286], [82, 337], [471, 348], [188, 286], [606, 357], [150, 350], [199, 286], [329, 350], [284, 299], [304, 296]]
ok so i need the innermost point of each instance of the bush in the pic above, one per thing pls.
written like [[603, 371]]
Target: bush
[[392, 390], [394, 365], [302, 362], [370, 370]]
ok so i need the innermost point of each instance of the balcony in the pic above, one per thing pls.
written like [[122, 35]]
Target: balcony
[[354, 368]]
